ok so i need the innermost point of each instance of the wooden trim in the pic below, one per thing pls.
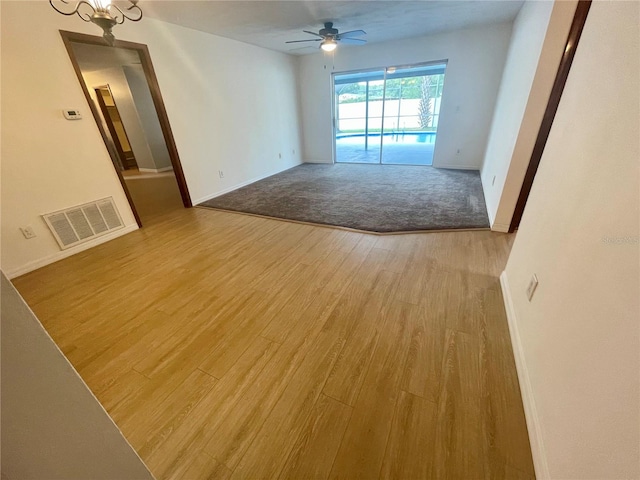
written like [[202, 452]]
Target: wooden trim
[[152, 80], [147, 66], [579, 19], [67, 39], [109, 122]]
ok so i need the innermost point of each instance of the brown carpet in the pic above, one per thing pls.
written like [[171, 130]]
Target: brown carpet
[[376, 198]]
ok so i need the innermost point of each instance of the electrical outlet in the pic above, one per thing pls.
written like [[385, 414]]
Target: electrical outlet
[[533, 284], [28, 231], [493, 182], [221, 173]]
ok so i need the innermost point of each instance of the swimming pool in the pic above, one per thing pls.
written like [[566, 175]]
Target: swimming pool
[[409, 148], [396, 137]]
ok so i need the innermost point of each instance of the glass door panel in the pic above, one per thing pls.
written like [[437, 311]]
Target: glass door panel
[[358, 116], [411, 111]]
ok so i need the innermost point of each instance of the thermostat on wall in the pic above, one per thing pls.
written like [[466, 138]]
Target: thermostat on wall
[[72, 114]]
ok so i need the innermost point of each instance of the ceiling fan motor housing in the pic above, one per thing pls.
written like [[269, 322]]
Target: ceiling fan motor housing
[[328, 30]]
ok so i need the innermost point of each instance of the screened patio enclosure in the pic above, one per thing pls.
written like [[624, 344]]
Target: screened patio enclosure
[[388, 115]]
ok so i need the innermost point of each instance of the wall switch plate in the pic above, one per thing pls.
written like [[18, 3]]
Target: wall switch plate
[[221, 173], [533, 284], [28, 232]]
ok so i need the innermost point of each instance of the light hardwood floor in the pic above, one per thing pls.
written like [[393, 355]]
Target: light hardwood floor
[[232, 346], [154, 194]]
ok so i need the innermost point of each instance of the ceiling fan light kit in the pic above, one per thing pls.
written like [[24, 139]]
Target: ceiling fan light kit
[[330, 37], [328, 45], [101, 12]]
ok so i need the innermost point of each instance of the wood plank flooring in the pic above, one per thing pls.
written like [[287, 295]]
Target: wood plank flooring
[[231, 346]]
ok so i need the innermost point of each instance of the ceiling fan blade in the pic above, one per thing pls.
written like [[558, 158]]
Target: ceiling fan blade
[[352, 33], [302, 49], [352, 41], [310, 40], [313, 33]]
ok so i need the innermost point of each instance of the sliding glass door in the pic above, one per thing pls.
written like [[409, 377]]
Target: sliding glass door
[[411, 111], [388, 116], [359, 98]]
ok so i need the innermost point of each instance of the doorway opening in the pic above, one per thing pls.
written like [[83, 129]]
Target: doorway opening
[[115, 125], [123, 94], [388, 115]]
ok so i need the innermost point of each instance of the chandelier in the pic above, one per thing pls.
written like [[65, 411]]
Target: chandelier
[[101, 12]]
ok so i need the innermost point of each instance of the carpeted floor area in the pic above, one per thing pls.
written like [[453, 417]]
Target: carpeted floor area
[[376, 198]]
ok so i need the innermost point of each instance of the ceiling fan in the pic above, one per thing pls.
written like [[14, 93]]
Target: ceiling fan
[[329, 37]]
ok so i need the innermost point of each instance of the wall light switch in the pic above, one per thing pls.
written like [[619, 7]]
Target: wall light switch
[[533, 284]]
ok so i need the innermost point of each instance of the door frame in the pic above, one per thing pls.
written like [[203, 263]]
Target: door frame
[[109, 121], [147, 66], [562, 74]]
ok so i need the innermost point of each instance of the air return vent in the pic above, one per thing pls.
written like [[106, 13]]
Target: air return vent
[[76, 225]]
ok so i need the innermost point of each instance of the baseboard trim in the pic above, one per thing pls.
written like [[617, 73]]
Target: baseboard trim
[[500, 227], [318, 161], [534, 428], [242, 184], [41, 262], [457, 167], [155, 170]]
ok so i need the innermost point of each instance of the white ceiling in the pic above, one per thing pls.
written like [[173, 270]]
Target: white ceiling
[[271, 23]]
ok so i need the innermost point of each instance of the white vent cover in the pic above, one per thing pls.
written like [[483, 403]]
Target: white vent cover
[[76, 225]]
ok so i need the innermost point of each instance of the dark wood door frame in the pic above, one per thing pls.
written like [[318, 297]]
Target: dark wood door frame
[[577, 25], [109, 122], [145, 58]]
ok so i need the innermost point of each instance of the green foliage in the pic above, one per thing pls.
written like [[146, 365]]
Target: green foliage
[[426, 94], [397, 88]]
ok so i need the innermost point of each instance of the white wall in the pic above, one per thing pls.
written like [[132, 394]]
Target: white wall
[[115, 78], [148, 116], [539, 35], [48, 163], [476, 59], [577, 342], [52, 425], [232, 107]]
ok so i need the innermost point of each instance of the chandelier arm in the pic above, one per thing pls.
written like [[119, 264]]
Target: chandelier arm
[[120, 16], [137, 10], [76, 10], [85, 16]]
